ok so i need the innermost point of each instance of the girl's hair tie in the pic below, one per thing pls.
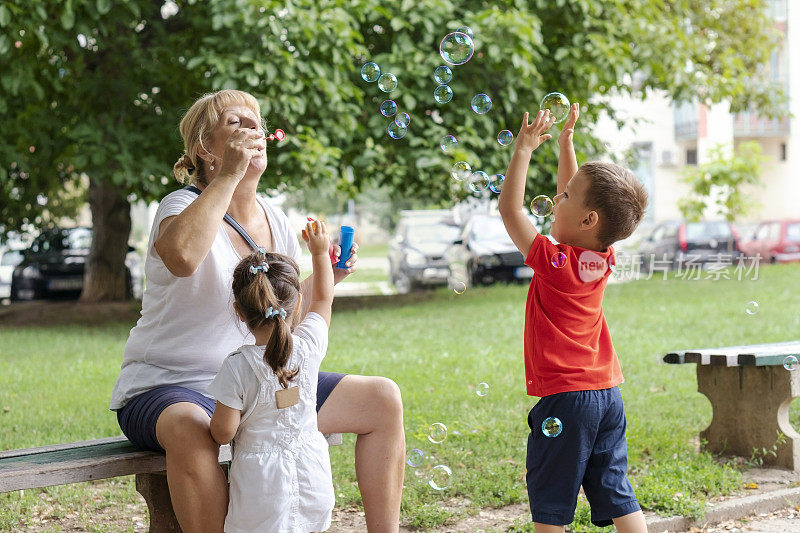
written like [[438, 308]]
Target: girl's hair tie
[[261, 250], [262, 267], [271, 312]]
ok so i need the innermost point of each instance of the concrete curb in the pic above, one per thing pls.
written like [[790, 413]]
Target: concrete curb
[[733, 509]]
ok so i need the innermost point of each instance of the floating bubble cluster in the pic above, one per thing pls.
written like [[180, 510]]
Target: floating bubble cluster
[[466, 30], [791, 363], [481, 103], [751, 308], [542, 206], [443, 94], [370, 72], [415, 458], [551, 427], [442, 75], [559, 259], [456, 48], [449, 142], [397, 130], [387, 82], [437, 432], [505, 137], [440, 477], [482, 389], [479, 181], [461, 171], [403, 119], [557, 104], [496, 183], [459, 287], [388, 108]]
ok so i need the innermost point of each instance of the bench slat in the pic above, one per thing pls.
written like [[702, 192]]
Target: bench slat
[[770, 354], [764, 359], [56, 447], [80, 461]]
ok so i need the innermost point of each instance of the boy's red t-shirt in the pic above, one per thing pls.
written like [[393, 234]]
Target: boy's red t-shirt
[[567, 342]]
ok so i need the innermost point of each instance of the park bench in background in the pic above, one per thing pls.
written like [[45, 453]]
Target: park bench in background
[[96, 459], [750, 393]]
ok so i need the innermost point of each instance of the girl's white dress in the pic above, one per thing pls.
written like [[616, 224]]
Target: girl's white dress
[[280, 474]]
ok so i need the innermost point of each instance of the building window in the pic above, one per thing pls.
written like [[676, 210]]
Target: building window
[[783, 151], [691, 156]]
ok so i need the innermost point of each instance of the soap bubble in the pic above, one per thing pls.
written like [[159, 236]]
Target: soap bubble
[[403, 119], [459, 287], [505, 137], [496, 183], [397, 130], [541, 206], [414, 458], [442, 74], [790, 363], [437, 432], [461, 171], [370, 72], [482, 389], [466, 30], [558, 104], [387, 82], [751, 308], [443, 94], [439, 477], [551, 427], [456, 48], [559, 259], [449, 142], [479, 181], [481, 103], [388, 108]]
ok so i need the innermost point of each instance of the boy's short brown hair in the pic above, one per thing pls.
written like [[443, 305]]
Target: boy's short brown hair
[[619, 198]]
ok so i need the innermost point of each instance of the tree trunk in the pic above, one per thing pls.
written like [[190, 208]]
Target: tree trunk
[[105, 279]]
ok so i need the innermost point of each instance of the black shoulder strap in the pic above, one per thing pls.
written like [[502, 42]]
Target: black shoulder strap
[[230, 220]]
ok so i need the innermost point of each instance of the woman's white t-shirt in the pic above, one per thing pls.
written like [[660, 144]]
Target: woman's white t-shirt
[[188, 325]]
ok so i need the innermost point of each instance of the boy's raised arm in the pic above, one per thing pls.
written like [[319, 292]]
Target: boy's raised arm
[[518, 225], [567, 162]]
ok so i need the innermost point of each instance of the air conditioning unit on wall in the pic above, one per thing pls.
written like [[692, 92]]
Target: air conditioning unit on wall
[[668, 158]]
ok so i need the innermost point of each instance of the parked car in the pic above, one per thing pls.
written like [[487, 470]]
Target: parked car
[[54, 265], [484, 253], [417, 251], [675, 243], [9, 258], [776, 241]]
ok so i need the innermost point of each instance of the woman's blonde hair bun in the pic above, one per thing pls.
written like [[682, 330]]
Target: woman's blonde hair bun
[[183, 169]]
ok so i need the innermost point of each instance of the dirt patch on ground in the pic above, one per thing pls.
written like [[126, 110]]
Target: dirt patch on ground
[[71, 312], [51, 313]]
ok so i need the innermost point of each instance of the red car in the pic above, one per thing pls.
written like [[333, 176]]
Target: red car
[[777, 241]]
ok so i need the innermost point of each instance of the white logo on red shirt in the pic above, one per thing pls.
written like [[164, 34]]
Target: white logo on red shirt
[[591, 266]]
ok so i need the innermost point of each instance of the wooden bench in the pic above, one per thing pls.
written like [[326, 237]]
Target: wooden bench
[[96, 459], [750, 393]]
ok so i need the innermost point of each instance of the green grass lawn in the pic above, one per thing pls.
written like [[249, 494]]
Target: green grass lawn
[[55, 383]]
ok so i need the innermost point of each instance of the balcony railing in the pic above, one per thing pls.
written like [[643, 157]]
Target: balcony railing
[[751, 124]]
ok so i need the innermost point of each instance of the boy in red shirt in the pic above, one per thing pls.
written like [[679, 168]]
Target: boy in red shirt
[[578, 426]]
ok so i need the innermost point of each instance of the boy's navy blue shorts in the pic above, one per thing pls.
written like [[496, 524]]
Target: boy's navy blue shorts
[[138, 417], [590, 451]]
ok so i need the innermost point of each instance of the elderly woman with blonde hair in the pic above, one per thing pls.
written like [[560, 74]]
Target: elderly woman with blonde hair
[[188, 325]]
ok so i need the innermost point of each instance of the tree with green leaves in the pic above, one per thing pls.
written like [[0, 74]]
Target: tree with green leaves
[[93, 90], [719, 184]]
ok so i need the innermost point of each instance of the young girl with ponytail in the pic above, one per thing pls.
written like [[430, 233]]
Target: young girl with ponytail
[[280, 474]]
